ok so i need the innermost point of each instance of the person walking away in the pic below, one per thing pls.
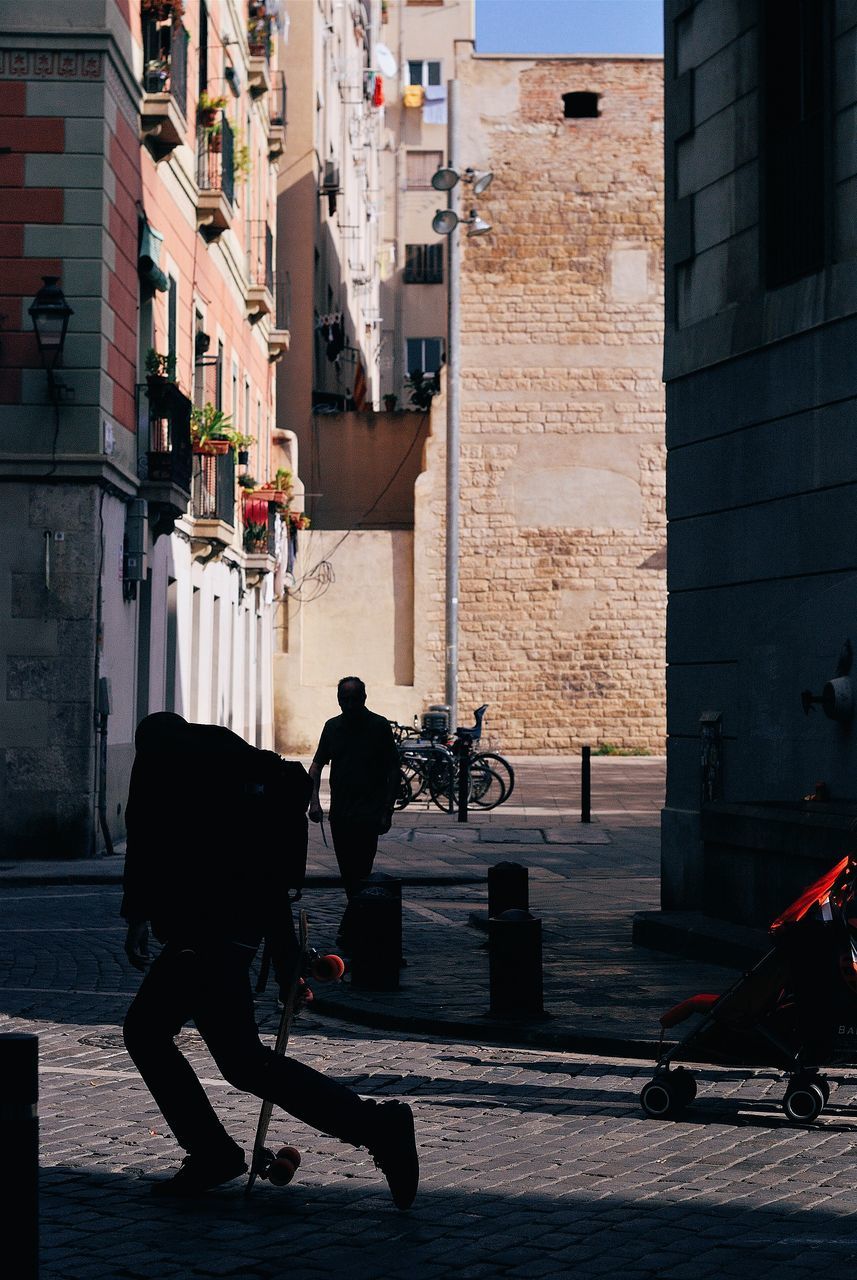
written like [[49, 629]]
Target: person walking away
[[205, 871], [364, 769]]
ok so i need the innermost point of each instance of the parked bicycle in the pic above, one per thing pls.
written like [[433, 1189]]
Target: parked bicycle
[[431, 764]]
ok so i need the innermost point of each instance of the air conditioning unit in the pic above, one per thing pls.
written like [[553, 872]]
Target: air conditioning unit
[[330, 180]]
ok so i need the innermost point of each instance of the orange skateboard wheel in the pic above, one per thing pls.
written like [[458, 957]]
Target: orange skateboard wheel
[[284, 1166]]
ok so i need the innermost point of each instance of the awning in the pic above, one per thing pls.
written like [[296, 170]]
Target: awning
[[149, 257]]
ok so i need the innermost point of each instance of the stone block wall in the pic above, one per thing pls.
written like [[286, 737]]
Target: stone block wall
[[562, 454]]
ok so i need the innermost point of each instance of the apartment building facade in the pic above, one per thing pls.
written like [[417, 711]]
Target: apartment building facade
[[138, 574]]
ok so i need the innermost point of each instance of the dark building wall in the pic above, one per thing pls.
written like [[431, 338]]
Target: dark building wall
[[761, 400]]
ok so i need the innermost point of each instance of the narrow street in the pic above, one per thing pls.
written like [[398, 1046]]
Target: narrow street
[[535, 1162]]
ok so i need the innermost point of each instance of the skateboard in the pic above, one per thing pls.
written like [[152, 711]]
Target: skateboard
[[279, 1169]]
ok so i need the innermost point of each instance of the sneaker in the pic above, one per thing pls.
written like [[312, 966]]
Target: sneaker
[[201, 1173], [394, 1149]]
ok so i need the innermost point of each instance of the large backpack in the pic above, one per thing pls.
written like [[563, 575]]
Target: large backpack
[[280, 795]]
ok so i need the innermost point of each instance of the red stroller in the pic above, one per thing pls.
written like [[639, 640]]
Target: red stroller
[[796, 1009]]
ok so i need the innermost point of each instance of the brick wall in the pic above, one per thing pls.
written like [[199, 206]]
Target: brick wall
[[562, 530]]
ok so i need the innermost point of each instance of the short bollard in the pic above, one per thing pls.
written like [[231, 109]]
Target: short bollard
[[508, 888], [585, 786], [515, 965], [19, 1187], [377, 942]]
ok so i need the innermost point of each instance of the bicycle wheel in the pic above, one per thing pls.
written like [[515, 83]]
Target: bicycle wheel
[[442, 784], [501, 766], [487, 788], [411, 783]]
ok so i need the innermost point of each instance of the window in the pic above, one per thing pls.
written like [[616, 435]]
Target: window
[[424, 73], [421, 165], [796, 73], [423, 264], [425, 354], [203, 47], [580, 106]]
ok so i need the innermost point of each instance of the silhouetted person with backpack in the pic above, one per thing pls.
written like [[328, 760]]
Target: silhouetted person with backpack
[[364, 772], [216, 838]]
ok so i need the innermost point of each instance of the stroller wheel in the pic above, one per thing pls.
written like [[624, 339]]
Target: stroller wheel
[[665, 1095], [804, 1099], [685, 1082]]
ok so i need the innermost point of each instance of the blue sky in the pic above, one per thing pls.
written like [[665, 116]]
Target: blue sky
[[569, 26]]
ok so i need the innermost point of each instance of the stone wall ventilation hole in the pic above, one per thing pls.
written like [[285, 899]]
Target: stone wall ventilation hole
[[580, 106]]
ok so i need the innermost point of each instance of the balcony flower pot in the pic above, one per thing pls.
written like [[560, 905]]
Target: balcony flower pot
[[163, 10], [212, 448]]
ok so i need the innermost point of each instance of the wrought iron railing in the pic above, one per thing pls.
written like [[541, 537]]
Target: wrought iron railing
[[282, 292], [213, 491], [215, 147], [165, 60], [278, 100], [163, 443], [260, 257]]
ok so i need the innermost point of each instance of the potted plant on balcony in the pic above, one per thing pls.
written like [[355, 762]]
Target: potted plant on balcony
[[258, 29], [157, 73], [248, 483], [162, 10], [160, 371], [211, 430], [241, 165], [255, 537], [214, 138], [207, 109]]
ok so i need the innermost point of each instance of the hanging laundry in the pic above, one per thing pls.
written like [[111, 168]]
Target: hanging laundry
[[378, 92], [434, 104]]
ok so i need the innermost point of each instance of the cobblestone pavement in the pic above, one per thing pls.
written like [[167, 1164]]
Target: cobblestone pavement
[[535, 1163]]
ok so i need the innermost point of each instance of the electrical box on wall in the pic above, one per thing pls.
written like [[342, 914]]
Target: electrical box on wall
[[134, 564]]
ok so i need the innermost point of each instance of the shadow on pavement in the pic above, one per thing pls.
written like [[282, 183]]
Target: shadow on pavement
[[96, 1223]]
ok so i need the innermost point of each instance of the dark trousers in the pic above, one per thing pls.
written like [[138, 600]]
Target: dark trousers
[[355, 845], [211, 987]]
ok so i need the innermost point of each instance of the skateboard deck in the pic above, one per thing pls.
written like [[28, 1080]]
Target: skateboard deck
[[264, 1163]]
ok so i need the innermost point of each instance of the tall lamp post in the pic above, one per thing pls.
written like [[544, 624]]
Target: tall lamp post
[[444, 223]]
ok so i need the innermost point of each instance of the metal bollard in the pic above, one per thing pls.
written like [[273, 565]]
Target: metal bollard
[[508, 888], [585, 787], [515, 965], [19, 1187], [377, 942]]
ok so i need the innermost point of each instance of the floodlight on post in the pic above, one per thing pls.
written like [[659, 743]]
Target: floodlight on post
[[481, 179], [444, 222], [476, 226], [445, 179]]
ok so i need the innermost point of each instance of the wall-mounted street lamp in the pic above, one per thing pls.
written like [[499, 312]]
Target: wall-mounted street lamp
[[444, 223], [50, 314]]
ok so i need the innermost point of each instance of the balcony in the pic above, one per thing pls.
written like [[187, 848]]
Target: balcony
[[260, 538], [260, 272], [163, 115], [259, 45], [215, 177], [213, 504], [279, 336], [277, 121], [164, 452]]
